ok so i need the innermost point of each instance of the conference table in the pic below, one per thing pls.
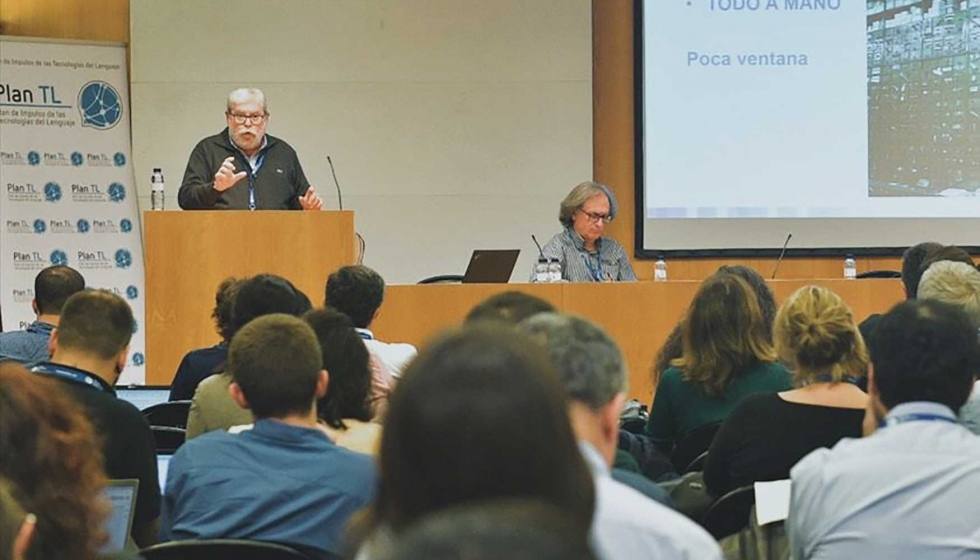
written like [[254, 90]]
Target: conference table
[[638, 315]]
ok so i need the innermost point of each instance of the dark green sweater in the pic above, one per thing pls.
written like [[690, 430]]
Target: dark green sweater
[[678, 407]]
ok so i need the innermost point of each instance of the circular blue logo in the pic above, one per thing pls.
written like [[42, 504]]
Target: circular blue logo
[[139, 359], [117, 192], [124, 259], [125, 225], [33, 158], [77, 159], [83, 225], [132, 292], [100, 105], [52, 192], [59, 257], [119, 159], [40, 226], [136, 327]]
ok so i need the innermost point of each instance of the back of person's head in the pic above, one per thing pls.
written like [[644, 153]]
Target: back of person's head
[[587, 360], [955, 283], [356, 291], [479, 414], [724, 334], [912, 260], [509, 307], [53, 286], [224, 307], [949, 253], [346, 360], [670, 350], [96, 322], [275, 360], [266, 294], [925, 350], [816, 336], [767, 301], [499, 530], [49, 453]]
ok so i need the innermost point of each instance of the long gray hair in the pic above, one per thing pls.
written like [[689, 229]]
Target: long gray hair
[[577, 197]]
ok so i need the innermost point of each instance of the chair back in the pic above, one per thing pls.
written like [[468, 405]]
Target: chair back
[[692, 444], [221, 549], [171, 414], [879, 274], [167, 440], [697, 464], [730, 513]]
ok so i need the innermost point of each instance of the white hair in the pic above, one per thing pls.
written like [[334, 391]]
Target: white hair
[[955, 283], [243, 95]]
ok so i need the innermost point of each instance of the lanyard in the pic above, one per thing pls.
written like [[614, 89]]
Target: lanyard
[[918, 417], [596, 274], [251, 179], [68, 374], [365, 336], [40, 328]]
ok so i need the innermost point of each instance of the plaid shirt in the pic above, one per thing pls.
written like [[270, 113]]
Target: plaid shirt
[[609, 263]]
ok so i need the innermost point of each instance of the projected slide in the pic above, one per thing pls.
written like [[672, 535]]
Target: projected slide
[[787, 109]]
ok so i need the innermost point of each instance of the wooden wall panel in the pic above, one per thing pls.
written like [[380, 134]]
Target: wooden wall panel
[[90, 20], [613, 156]]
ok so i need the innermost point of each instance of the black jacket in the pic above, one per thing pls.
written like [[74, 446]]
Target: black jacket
[[278, 184]]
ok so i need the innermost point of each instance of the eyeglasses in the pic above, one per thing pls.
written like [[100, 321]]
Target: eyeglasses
[[596, 218], [252, 119]]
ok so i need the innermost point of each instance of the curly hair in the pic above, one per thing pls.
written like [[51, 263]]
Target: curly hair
[[49, 452], [224, 305]]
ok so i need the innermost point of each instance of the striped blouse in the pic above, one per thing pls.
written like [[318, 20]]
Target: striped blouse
[[609, 263]]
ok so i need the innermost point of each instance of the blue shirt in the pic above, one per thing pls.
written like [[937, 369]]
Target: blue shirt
[[196, 366], [274, 482], [26, 346], [909, 491]]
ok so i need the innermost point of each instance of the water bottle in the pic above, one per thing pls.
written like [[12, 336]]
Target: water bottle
[[850, 268], [554, 270], [660, 270], [541, 271], [156, 189]]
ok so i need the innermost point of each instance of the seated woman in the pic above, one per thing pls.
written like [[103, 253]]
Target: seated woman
[[727, 356], [478, 416], [585, 255], [345, 410], [769, 433]]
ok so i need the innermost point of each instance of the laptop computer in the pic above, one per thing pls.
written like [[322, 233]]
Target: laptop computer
[[121, 495], [491, 266]]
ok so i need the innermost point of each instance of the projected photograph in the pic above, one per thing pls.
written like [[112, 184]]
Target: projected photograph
[[923, 98]]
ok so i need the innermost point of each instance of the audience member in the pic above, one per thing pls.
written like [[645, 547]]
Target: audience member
[[345, 409], [497, 530], [949, 253], [358, 291], [909, 489], [283, 480], [673, 347], [200, 364], [478, 415], [52, 288], [212, 407], [768, 433], [50, 457], [627, 524], [509, 307], [957, 284], [727, 357], [89, 350]]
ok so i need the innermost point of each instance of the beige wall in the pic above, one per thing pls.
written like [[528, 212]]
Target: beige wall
[[454, 125]]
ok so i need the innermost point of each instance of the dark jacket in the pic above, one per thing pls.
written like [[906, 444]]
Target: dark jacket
[[278, 184]]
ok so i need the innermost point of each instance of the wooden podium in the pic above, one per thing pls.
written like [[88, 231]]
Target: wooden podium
[[189, 253]]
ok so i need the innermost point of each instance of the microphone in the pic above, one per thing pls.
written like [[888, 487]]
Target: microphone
[[782, 254], [540, 250], [340, 197]]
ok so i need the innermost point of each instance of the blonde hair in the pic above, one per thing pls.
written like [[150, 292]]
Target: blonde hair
[[815, 335], [955, 283], [724, 334]]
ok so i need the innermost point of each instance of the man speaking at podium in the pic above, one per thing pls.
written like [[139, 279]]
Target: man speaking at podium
[[242, 167]]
